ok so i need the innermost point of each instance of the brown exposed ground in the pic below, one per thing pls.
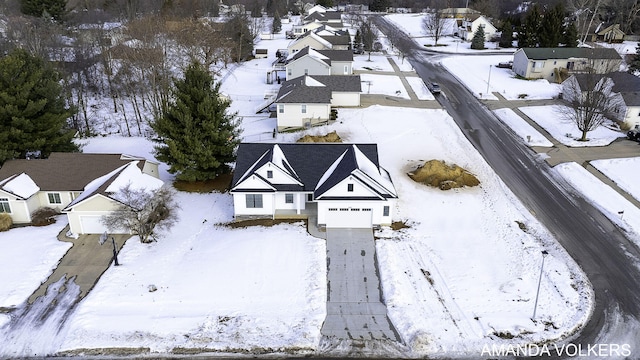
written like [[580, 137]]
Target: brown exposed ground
[[220, 184], [330, 137], [437, 173]]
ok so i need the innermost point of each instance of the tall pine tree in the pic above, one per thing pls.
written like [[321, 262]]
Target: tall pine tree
[[634, 65], [38, 8], [276, 26], [477, 42], [33, 112], [570, 35], [530, 28], [506, 37], [551, 26], [199, 135]]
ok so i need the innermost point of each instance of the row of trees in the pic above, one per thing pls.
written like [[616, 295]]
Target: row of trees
[[546, 28]]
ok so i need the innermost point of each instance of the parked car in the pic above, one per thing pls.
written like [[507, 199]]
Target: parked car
[[434, 87], [506, 65], [634, 134]]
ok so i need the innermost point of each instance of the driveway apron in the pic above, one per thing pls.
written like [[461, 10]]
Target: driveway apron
[[355, 310]]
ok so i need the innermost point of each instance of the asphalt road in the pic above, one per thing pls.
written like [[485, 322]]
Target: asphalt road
[[602, 250]]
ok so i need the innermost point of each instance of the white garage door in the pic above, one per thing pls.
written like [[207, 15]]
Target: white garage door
[[349, 218], [91, 224]]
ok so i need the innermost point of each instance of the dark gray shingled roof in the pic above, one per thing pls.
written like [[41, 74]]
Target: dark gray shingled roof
[[343, 83], [337, 55], [309, 160], [567, 53], [626, 84], [324, 16], [295, 91], [337, 39]]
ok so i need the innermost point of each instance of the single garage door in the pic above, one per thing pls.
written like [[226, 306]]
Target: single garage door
[[91, 224], [349, 218]]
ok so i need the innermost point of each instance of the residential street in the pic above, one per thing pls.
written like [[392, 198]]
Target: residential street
[[602, 250]]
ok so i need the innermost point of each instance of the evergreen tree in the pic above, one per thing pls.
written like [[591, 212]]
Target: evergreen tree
[[357, 40], [379, 5], [477, 42], [551, 27], [634, 65], [325, 3], [506, 37], [276, 26], [38, 8], [33, 111], [570, 35], [530, 28], [199, 136], [237, 28]]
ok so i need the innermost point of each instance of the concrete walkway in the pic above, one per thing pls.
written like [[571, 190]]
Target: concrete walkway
[[355, 310], [85, 262], [560, 153]]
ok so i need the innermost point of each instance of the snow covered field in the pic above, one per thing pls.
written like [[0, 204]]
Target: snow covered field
[[463, 275]]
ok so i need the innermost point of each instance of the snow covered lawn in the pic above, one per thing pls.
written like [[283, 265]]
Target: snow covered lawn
[[602, 196], [418, 86], [624, 172], [476, 71], [29, 255], [390, 85], [565, 131], [465, 273], [218, 288], [530, 135]]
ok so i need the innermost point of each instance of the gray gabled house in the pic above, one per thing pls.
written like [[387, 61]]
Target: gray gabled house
[[556, 64]]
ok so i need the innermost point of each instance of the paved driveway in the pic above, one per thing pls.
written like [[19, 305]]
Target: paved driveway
[[354, 307]]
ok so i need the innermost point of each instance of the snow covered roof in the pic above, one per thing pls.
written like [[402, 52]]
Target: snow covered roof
[[66, 171], [318, 166], [21, 186]]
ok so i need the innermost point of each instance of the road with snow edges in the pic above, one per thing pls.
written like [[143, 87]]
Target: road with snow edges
[[602, 250]]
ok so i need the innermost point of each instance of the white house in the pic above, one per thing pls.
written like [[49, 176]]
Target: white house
[[621, 88], [321, 62], [80, 185], [307, 100], [342, 184], [553, 63], [471, 24]]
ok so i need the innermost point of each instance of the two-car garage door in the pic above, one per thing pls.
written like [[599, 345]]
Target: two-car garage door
[[349, 217]]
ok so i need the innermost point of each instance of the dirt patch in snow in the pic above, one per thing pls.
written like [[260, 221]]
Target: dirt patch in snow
[[330, 137], [438, 174], [220, 184], [263, 222]]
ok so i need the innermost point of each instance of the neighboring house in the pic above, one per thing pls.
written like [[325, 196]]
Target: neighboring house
[[321, 62], [261, 53], [314, 8], [611, 34], [458, 13], [622, 87], [300, 29], [81, 185], [307, 100], [471, 24], [342, 184], [311, 40], [332, 18], [553, 64]]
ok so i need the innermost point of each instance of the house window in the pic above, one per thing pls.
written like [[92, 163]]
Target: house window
[[570, 65], [280, 108], [309, 197], [288, 198], [289, 71], [254, 201], [269, 174], [54, 198], [303, 108], [350, 187], [385, 211], [346, 69], [4, 206], [306, 71]]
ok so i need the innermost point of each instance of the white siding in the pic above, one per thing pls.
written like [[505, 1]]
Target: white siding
[[345, 99], [311, 65], [240, 204], [632, 118], [376, 206], [342, 189], [294, 118], [278, 175], [341, 68]]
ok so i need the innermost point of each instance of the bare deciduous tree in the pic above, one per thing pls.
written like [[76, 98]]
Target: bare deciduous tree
[[591, 100], [144, 213], [432, 23]]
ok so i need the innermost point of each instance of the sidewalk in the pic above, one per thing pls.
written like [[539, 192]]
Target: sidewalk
[[85, 262], [561, 153]]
